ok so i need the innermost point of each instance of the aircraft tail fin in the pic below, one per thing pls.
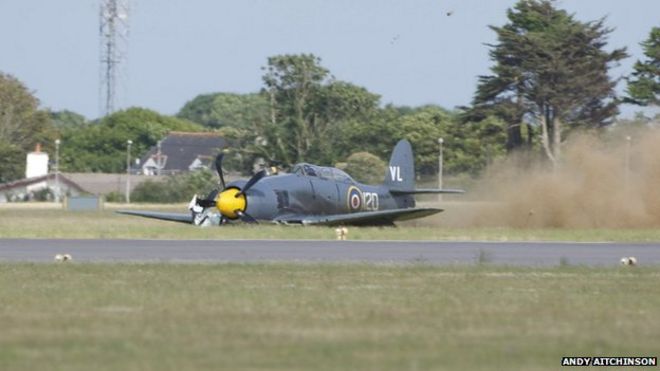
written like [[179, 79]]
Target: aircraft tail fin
[[400, 173]]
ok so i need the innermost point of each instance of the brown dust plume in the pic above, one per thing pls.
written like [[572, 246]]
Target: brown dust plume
[[600, 184]]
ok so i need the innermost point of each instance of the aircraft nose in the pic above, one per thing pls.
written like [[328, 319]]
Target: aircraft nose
[[230, 203]]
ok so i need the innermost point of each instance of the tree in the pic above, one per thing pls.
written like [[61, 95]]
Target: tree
[[472, 146], [12, 166], [644, 85], [292, 83], [68, 119], [22, 126], [307, 110], [468, 147], [422, 128], [365, 167], [220, 110], [550, 71], [101, 147], [336, 103], [374, 134]]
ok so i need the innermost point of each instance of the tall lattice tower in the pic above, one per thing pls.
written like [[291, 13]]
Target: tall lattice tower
[[114, 44]]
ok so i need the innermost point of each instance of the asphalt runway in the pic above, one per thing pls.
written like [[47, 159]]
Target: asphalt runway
[[398, 252]]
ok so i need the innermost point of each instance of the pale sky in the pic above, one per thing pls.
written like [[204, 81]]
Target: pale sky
[[410, 52]]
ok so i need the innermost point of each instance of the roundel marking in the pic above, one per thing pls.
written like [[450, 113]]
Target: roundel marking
[[354, 198]]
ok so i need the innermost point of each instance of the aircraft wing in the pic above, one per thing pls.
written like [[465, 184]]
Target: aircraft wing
[[381, 217], [173, 217]]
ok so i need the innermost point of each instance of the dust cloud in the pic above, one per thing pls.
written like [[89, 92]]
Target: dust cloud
[[601, 183]]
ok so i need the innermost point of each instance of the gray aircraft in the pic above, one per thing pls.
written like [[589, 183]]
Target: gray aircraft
[[310, 195]]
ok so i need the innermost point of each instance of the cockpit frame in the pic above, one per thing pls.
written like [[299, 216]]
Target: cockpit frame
[[322, 172]]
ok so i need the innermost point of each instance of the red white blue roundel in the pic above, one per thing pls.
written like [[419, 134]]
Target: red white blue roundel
[[354, 199]]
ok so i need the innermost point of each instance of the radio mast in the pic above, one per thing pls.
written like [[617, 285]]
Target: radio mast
[[113, 38]]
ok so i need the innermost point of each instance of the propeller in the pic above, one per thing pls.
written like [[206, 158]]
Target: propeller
[[245, 217], [218, 168], [209, 201], [231, 202]]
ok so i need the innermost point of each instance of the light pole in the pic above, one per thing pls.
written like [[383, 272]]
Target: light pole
[[128, 170], [158, 154], [57, 170], [627, 175], [440, 170]]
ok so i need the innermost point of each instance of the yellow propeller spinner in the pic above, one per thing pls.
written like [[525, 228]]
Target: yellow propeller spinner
[[229, 204]]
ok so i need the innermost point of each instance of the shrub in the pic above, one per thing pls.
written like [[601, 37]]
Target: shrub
[[177, 188], [365, 167]]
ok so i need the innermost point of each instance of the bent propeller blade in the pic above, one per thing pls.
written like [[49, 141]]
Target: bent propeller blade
[[246, 218], [209, 201], [257, 177], [218, 168]]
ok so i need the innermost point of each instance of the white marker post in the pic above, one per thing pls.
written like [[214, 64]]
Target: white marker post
[[440, 170]]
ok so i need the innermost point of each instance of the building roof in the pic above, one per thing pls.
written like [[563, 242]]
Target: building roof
[[104, 183], [92, 183], [38, 179], [180, 149]]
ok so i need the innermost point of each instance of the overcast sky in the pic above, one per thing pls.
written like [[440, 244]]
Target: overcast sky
[[408, 51]]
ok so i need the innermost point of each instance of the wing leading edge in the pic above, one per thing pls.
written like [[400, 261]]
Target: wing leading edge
[[173, 217], [383, 217]]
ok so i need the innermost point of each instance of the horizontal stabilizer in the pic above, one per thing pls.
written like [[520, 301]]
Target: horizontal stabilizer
[[424, 190]]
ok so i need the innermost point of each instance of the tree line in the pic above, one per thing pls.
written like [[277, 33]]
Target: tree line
[[303, 113], [549, 77]]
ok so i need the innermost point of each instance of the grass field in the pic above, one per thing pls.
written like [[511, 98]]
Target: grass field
[[46, 221], [321, 317]]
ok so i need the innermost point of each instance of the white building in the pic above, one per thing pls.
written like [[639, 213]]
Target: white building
[[36, 166]]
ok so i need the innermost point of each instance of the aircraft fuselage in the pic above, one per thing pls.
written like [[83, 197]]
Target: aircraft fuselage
[[302, 194]]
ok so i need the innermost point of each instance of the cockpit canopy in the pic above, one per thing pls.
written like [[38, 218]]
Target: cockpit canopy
[[322, 172]]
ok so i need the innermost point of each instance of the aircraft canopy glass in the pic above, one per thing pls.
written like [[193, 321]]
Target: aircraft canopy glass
[[330, 173]]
